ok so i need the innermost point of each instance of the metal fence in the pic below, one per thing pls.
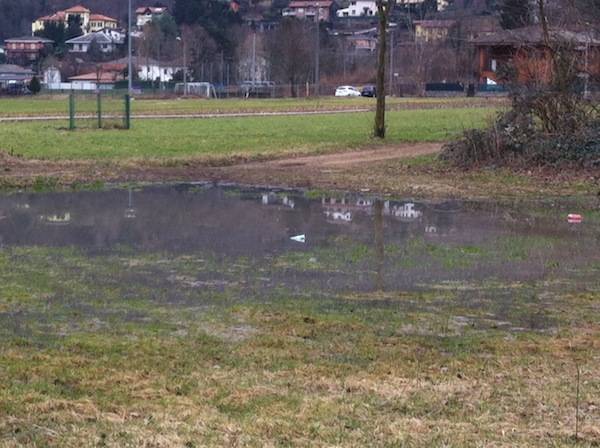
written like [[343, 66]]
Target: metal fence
[[99, 110]]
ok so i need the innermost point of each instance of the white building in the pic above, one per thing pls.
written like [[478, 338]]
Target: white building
[[149, 69], [82, 44], [359, 8], [367, 8], [146, 14]]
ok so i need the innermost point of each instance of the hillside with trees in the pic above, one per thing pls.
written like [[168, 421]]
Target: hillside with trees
[[16, 15]]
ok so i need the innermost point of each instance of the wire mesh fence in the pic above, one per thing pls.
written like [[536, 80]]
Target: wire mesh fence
[[99, 111]]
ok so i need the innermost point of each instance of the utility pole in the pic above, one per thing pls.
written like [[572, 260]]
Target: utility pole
[[185, 89], [129, 61], [392, 62], [317, 52], [253, 55]]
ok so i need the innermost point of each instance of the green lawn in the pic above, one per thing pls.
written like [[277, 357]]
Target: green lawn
[[184, 138], [58, 104]]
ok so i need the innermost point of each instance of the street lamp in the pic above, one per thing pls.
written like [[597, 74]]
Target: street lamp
[[317, 51], [185, 90], [129, 51]]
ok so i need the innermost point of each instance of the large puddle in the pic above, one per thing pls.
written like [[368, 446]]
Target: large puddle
[[194, 243]]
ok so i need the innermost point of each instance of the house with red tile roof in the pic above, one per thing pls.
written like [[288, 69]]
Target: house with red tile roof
[[90, 22]]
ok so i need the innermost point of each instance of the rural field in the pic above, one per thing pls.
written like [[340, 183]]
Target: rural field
[[185, 316], [222, 138], [140, 310], [59, 105]]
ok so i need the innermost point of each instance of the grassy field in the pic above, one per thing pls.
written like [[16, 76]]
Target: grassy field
[[58, 105], [122, 350], [226, 137]]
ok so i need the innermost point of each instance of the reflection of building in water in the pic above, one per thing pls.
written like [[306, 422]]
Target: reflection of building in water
[[337, 211], [342, 210], [431, 230], [405, 212], [130, 212], [57, 219], [274, 199]]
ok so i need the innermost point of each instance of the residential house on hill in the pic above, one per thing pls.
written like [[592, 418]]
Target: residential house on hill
[[526, 51], [146, 14], [366, 8], [89, 22], [310, 9], [433, 30], [82, 44], [359, 8], [11, 75], [28, 50], [100, 22]]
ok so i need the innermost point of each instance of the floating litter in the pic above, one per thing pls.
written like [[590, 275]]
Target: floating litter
[[299, 238], [574, 218]]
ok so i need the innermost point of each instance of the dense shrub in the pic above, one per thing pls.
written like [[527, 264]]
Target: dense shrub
[[548, 124]]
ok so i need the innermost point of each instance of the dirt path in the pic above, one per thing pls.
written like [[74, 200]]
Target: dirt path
[[345, 159], [292, 171]]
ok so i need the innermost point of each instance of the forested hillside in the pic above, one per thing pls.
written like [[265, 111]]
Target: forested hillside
[[16, 15]]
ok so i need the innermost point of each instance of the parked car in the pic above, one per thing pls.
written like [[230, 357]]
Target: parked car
[[347, 91], [369, 91]]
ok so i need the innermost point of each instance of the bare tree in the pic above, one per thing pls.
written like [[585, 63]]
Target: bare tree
[[289, 48], [384, 10]]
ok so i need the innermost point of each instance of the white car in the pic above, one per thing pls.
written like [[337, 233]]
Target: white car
[[347, 91]]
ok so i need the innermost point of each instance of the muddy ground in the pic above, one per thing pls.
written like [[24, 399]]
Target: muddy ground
[[400, 169]]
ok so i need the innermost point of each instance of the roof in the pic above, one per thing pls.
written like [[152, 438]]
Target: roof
[[59, 16], [150, 9], [533, 35], [435, 23], [310, 3], [104, 77], [14, 70], [139, 61], [42, 40], [77, 9], [100, 17], [100, 38]]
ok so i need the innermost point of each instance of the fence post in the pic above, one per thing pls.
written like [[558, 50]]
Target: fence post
[[71, 111], [127, 111], [99, 109]]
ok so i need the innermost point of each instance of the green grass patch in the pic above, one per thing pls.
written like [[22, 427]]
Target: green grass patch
[[86, 104], [227, 137]]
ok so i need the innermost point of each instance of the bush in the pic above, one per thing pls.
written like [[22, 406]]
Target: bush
[[35, 86], [548, 124]]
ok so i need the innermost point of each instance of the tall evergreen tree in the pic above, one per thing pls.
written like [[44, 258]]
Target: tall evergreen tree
[[515, 14], [74, 28]]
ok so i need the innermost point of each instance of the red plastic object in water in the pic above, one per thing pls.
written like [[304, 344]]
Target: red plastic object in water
[[574, 218]]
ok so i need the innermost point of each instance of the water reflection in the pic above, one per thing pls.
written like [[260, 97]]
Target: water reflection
[[405, 242]]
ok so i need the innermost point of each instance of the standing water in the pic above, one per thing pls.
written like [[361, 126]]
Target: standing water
[[202, 245]]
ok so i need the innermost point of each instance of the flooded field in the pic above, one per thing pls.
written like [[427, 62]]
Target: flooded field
[[195, 315]]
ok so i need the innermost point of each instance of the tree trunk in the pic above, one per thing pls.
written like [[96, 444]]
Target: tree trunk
[[379, 131], [544, 22]]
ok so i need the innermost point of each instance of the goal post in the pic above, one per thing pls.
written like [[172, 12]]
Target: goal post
[[99, 111]]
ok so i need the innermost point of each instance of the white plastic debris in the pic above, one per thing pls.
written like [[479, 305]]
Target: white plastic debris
[[299, 238]]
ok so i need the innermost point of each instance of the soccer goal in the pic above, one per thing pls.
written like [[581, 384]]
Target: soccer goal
[[99, 111]]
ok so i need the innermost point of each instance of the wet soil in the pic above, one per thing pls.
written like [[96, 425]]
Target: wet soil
[[401, 169]]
